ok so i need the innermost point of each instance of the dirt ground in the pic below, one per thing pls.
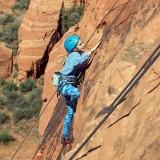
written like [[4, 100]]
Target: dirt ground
[[26, 151]]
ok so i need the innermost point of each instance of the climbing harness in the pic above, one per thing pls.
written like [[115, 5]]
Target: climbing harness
[[68, 79], [59, 80], [123, 94], [68, 45], [57, 77]]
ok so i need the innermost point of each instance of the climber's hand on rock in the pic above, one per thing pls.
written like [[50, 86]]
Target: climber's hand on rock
[[94, 48]]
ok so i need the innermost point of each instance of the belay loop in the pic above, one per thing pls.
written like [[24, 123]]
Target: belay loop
[[58, 78]]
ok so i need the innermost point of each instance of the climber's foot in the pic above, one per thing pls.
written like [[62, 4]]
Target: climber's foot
[[66, 141]]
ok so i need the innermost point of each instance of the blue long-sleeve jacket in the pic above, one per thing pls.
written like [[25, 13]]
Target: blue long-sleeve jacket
[[75, 64]]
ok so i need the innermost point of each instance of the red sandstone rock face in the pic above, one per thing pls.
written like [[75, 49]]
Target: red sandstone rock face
[[38, 33], [5, 5], [5, 62], [132, 131], [158, 2], [38, 26]]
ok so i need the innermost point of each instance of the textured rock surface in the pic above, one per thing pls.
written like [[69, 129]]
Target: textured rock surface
[[38, 34], [5, 5], [37, 28], [132, 131], [5, 53], [5, 62]]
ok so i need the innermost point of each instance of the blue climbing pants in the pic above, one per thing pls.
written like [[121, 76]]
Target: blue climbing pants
[[71, 95]]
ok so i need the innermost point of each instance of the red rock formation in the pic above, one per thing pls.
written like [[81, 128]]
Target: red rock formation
[[132, 131], [37, 35], [6, 4], [5, 62], [5, 53]]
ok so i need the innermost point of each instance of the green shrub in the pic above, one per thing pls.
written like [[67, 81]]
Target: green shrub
[[34, 132], [1, 12], [70, 17], [35, 101], [11, 98], [15, 100], [20, 129], [8, 87], [2, 81], [17, 115], [15, 75], [21, 5], [1, 103], [27, 85], [16, 66], [14, 46], [20, 114], [34, 104], [4, 118], [5, 137], [41, 81], [36, 93], [10, 34], [7, 18]]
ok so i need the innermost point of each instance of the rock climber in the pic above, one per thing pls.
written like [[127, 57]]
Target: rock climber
[[75, 64]]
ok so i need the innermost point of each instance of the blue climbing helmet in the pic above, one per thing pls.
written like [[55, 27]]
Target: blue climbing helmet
[[71, 42]]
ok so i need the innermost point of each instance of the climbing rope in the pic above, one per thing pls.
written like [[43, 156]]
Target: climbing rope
[[98, 26], [101, 21], [134, 80], [123, 94], [32, 127], [109, 27]]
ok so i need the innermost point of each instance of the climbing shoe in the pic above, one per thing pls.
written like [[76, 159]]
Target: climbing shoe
[[66, 141]]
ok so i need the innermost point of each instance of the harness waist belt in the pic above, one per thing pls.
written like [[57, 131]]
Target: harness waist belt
[[67, 78]]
